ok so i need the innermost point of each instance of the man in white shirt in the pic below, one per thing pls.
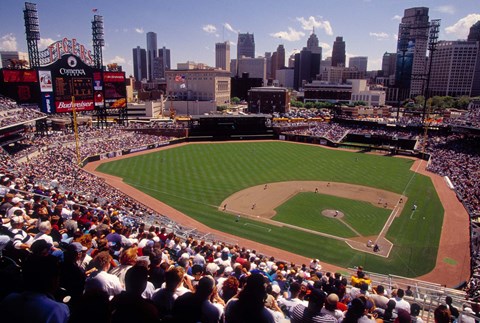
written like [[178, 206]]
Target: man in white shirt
[[401, 303], [101, 279]]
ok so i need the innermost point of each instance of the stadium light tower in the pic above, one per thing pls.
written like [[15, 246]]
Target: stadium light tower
[[32, 30], [98, 41]]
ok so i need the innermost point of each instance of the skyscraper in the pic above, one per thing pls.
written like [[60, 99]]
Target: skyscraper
[[222, 56], [139, 63], [474, 33], [278, 61], [307, 62], [388, 64], [312, 43], [151, 53], [338, 52], [245, 45], [412, 51], [164, 61], [359, 62], [453, 65]]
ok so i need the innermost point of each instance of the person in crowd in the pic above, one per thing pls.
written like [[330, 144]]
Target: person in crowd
[[101, 279], [249, 306], [400, 303], [313, 311], [37, 303], [196, 307], [129, 306]]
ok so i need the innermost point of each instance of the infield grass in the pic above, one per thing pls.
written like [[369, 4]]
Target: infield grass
[[195, 179]]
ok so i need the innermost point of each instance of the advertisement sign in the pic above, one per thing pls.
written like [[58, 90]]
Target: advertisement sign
[[80, 105], [20, 85], [47, 103], [19, 76], [72, 77], [115, 90], [45, 81]]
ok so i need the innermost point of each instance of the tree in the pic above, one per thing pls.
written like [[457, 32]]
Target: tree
[[296, 104], [463, 102], [235, 100], [309, 105]]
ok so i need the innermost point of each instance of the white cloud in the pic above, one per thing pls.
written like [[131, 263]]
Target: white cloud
[[397, 17], [462, 27], [379, 36], [449, 9], [209, 29], [139, 30], [44, 43], [325, 46], [290, 35], [8, 42], [311, 22], [117, 59], [229, 27]]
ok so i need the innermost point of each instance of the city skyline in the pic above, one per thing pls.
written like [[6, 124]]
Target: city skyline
[[190, 29]]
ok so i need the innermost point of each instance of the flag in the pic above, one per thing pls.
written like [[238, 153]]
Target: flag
[[94, 10], [180, 78]]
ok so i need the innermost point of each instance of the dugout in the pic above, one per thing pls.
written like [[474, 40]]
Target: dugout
[[230, 127]]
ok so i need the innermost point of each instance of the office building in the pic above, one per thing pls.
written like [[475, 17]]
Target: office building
[[151, 53], [278, 61], [198, 91], [307, 63], [474, 34], [254, 67], [389, 61], [338, 52], [245, 46], [453, 68], [358, 62], [164, 61], [222, 56], [139, 63], [412, 52]]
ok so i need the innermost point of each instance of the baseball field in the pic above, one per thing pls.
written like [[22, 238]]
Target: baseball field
[[311, 201]]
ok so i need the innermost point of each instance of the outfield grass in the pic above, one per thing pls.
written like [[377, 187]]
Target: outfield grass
[[196, 178], [365, 218]]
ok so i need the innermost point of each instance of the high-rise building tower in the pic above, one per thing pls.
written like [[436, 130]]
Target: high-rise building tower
[[389, 61], [453, 66], [151, 53], [474, 34], [245, 45], [312, 43], [359, 62], [412, 52], [338, 52], [222, 56], [139, 63], [278, 61], [164, 61]]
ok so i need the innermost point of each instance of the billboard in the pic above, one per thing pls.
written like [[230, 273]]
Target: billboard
[[20, 85], [71, 77], [115, 91]]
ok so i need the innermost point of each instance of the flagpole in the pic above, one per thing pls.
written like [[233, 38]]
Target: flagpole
[[75, 130]]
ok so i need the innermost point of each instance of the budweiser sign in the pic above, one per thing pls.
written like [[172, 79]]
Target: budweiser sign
[[81, 105], [65, 47]]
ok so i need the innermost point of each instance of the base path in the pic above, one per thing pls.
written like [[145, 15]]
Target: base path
[[453, 259]]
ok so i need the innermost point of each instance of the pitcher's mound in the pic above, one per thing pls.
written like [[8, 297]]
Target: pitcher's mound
[[333, 213]]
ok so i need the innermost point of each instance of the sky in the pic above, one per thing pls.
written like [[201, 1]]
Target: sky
[[190, 28]]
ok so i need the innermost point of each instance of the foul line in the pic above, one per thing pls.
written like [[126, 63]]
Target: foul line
[[258, 226]]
